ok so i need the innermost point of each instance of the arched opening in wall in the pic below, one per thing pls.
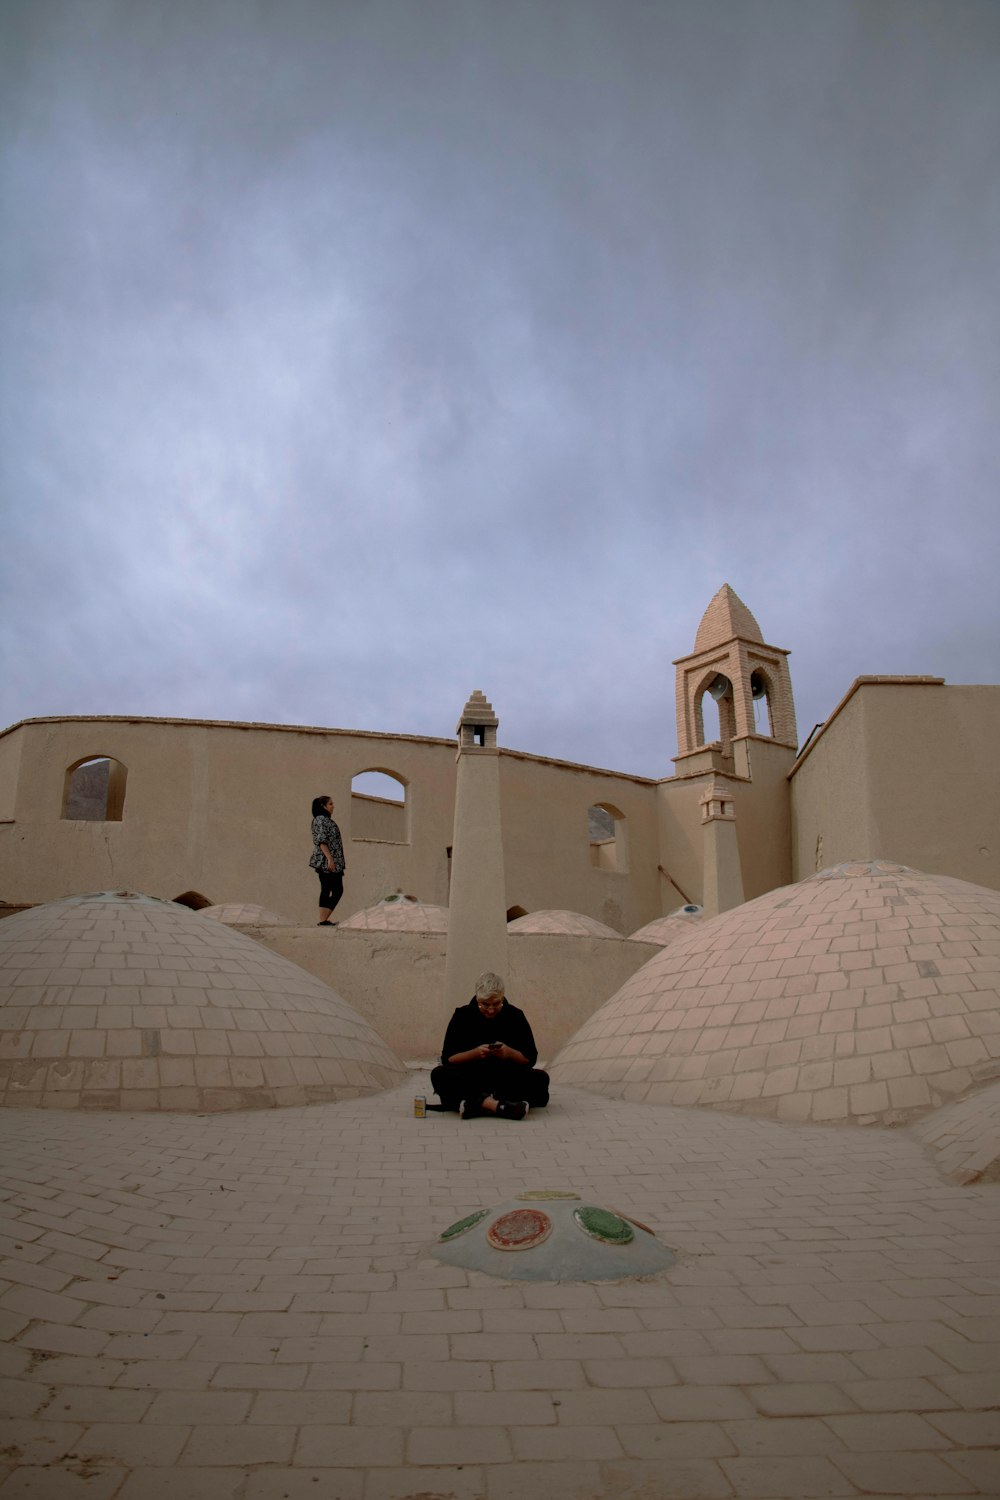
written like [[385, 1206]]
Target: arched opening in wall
[[94, 790], [763, 712], [193, 899], [608, 837], [513, 912], [714, 702], [380, 812]]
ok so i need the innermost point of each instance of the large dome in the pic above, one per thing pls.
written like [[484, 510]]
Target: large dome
[[664, 930], [244, 914], [116, 1001], [399, 916], [869, 992], [566, 923]]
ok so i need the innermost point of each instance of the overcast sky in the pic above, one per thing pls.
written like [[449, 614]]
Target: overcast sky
[[360, 353]]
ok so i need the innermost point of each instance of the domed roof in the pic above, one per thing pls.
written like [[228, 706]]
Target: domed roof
[[664, 930], [399, 916], [568, 923], [869, 992], [726, 616], [117, 1001], [244, 914]]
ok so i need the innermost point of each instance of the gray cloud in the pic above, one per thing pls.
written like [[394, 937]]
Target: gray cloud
[[361, 354]]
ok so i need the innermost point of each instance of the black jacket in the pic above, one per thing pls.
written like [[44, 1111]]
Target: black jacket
[[469, 1028]]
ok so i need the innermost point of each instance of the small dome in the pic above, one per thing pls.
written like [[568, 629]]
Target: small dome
[[664, 930], [398, 916], [568, 923], [244, 914], [868, 993], [725, 618], [118, 1001]]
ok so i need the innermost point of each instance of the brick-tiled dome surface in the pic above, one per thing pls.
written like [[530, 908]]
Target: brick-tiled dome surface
[[869, 993], [568, 923], [244, 914], [399, 916], [116, 1001], [666, 930], [964, 1138]]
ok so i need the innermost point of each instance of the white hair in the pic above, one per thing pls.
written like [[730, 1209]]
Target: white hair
[[488, 984]]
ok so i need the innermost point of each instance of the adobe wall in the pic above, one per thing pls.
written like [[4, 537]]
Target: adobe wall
[[396, 979], [547, 855], [906, 771], [223, 810]]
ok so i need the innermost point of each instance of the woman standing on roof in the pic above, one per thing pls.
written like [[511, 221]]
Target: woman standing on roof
[[327, 858]]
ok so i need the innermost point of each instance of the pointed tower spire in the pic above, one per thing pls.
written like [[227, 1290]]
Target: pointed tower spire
[[732, 663]]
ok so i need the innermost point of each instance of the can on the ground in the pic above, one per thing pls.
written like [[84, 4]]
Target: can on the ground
[[419, 1107]]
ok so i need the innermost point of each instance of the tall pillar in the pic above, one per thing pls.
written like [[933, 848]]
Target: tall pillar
[[477, 906], [723, 879]]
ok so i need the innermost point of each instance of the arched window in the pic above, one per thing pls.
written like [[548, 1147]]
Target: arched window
[[608, 837], [380, 811], [94, 790], [513, 912]]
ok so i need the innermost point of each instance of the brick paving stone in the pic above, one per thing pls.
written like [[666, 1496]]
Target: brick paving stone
[[47, 1483], [895, 1431], [303, 1484], [908, 1474], [771, 1478], [979, 1468], [673, 1440], [678, 1479], [451, 1446], [540, 1374], [826, 1278], [349, 1447], [570, 1480], [466, 1483], [182, 1484], [803, 1400]]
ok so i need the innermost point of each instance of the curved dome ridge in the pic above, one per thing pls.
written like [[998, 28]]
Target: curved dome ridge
[[726, 617], [566, 923], [398, 916], [869, 992], [117, 1001]]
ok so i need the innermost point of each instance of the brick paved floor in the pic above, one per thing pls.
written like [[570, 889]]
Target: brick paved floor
[[242, 1307]]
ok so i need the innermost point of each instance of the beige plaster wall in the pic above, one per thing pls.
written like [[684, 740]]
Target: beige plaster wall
[[223, 810], [396, 979], [10, 762], [547, 850], [905, 771], [763, 814], [681, 843]]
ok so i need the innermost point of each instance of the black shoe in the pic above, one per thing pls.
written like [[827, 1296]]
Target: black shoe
[[512, 1109], [326, 924], [471, 1109]]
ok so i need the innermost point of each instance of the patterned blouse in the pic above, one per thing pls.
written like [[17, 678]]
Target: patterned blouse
[[325, 831]]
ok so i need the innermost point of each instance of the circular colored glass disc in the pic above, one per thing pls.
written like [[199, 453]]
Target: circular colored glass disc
[[601, 1224], [541, 1195], [462, 1226], [521, 1229]]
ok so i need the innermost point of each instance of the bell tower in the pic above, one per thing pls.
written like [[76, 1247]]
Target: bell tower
[[747, 679]]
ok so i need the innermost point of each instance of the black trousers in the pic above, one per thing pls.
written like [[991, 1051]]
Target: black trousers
[[331, 888], [453, 1082]]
